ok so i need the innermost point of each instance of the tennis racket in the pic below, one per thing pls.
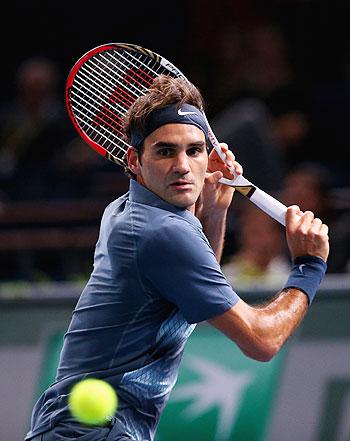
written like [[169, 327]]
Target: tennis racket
[[105, 82]]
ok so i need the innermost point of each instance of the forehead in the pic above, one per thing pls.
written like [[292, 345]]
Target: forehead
[[176, 133]]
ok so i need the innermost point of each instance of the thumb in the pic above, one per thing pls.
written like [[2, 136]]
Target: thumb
[[214, 178]]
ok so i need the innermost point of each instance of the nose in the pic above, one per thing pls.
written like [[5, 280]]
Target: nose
[[181, 163]]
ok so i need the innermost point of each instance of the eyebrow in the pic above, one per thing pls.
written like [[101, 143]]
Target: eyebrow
[[172, 144]]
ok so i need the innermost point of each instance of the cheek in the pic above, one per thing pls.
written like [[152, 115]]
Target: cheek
[[203, 169], [152, 174]]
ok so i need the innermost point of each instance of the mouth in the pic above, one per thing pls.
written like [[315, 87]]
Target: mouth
[[181, 184]]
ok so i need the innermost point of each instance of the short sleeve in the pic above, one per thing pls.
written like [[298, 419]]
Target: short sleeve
[[177, 261]]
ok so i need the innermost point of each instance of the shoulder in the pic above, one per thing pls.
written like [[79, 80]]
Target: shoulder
[[114, 218], [156, 223], [115, 205], [174, 239], [172, 228]]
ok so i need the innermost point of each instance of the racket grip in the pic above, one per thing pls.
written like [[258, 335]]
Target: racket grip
[[269, 205], [264, 201]]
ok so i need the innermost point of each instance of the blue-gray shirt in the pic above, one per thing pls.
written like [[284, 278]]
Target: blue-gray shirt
[[155, 276]]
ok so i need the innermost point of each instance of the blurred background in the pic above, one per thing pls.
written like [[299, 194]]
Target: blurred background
[[275, 75], [276, 79]]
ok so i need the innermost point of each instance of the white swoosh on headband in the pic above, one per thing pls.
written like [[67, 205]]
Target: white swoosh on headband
[[181, 113]]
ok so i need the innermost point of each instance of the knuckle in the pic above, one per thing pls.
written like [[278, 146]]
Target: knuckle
[[304, 232]]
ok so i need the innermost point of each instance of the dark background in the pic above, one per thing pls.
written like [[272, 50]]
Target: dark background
[[189, 33], [204, 40], [317, 31]]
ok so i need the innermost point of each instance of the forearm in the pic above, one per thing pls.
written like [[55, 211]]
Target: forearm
[[274, 322], [260, 331], [214, 228]]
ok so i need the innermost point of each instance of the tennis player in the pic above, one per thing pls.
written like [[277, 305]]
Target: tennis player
[[156, 275]]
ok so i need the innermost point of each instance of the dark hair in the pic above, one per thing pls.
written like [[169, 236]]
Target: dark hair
[[165, 90]]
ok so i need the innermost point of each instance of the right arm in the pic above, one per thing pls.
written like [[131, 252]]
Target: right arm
[[260, 331]]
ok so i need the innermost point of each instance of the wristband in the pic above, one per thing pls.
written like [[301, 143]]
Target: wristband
[[306, 275]]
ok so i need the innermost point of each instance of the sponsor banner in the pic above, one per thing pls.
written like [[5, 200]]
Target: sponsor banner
[[220, 395]]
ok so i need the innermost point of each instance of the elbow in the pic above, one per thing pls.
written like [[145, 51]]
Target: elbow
[[266, 355], [262, 352], [269, 350]]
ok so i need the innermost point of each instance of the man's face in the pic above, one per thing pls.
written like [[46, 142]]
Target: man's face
[[173, 164]]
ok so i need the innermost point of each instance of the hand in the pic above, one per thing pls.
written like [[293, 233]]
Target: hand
[[306, 235], [216, 164], [216, 196]]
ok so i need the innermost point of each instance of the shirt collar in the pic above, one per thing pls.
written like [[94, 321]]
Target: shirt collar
[[140, 194]]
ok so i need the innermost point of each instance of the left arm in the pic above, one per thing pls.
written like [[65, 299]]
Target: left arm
[[214, 228], [215, 199]]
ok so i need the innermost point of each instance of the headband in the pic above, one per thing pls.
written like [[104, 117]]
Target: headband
[[171, 114]]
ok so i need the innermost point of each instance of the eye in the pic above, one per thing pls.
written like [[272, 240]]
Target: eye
[[195, 151], [165, 151]]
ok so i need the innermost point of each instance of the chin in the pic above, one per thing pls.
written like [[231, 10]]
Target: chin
[[184, 200], [181, 203]]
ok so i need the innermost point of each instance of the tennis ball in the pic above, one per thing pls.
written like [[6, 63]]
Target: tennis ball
[[92, 401]]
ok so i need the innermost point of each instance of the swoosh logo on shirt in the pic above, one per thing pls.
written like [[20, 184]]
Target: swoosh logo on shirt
[[182, 113]]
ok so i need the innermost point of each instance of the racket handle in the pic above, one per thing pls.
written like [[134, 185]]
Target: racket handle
[[269, 205], [264, 201]]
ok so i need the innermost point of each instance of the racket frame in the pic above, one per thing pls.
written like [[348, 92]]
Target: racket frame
[[264, 201]]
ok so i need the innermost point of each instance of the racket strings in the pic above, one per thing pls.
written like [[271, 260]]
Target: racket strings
[[103, 90], [86, 95], [99, 95], [98, 104], [92, 83], [94, 105]]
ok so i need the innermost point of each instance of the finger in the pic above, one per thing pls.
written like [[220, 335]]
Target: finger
[[306, 220], [316, 224], [224, 147], [238, 168], [230, 156], [324, 229], [216, 164], [230, 170], [214, 156], [293, 216], [232, 165]]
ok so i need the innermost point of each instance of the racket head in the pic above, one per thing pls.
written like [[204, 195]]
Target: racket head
[[101, 87]]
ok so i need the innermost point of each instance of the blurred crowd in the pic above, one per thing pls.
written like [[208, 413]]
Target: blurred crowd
[[41, 156], [273, 123], [287, 127]]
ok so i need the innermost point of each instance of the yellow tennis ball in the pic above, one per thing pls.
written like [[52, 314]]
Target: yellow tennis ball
[[93, 401]]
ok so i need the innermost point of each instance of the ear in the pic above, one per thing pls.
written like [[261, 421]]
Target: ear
[[133, 160]]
